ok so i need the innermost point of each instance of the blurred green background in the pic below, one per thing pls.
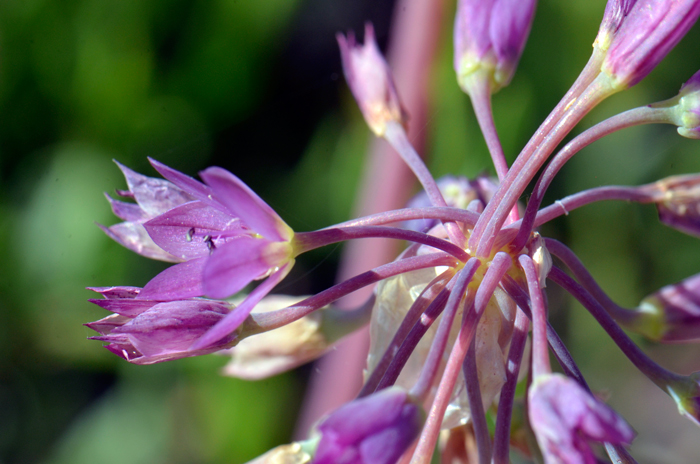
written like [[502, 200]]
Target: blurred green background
[[256, 87]]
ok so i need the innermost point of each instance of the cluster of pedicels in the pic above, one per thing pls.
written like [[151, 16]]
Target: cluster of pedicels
[[450, 317]]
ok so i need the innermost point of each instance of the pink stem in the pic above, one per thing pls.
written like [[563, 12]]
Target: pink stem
[[560, 122], [540, 349], [426, 443], [635, 117]]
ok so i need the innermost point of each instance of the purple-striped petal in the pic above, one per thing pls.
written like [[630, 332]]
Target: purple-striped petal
[[106, 325], [133, 236], [190, 185], [131, 307], [154, 196], [193, 230], [177, 282], [231, 322], [246, 204], [127, 211], [116, 292]]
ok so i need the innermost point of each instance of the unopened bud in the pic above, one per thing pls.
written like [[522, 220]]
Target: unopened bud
[[376, 429], [645, 36], [369, 77], [679, 202], [672, 314], [615, 13], [683, 110], [490, 36]]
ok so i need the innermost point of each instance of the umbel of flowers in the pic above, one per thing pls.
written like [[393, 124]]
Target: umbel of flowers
[[452, 314]]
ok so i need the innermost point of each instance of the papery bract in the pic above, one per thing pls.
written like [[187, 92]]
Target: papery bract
[[278, 350]]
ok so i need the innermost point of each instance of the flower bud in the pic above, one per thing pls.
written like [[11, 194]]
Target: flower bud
[[678, 202], [565, 418], [369, 78], [376, 429], [650, 30], [615, 13], [684, 108], [672, 313], [146, 332], [490, 36]]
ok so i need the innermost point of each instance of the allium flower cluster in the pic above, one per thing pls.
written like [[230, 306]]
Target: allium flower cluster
[[450, 318]]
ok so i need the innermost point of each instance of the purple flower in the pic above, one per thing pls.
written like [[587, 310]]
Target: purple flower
[[147, 331], [226, 235], [565, 418], [369, 77], [376, 429], [650, 30], [153, 197], [491, 34], [674, 312]]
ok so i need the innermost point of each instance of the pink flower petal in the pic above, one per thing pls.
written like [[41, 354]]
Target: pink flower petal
[[192, 186], [127, 211], [246, 204], [116, 292], [177, 282], [126, 307], [235, 265], [154, 196], [133, 236], [193, 230]]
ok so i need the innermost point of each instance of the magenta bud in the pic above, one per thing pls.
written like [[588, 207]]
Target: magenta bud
[[646, 34], [376, 429], [370, 80], [678, 202], [147, 332], [490, 35], [673, 312], [566, 419]]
